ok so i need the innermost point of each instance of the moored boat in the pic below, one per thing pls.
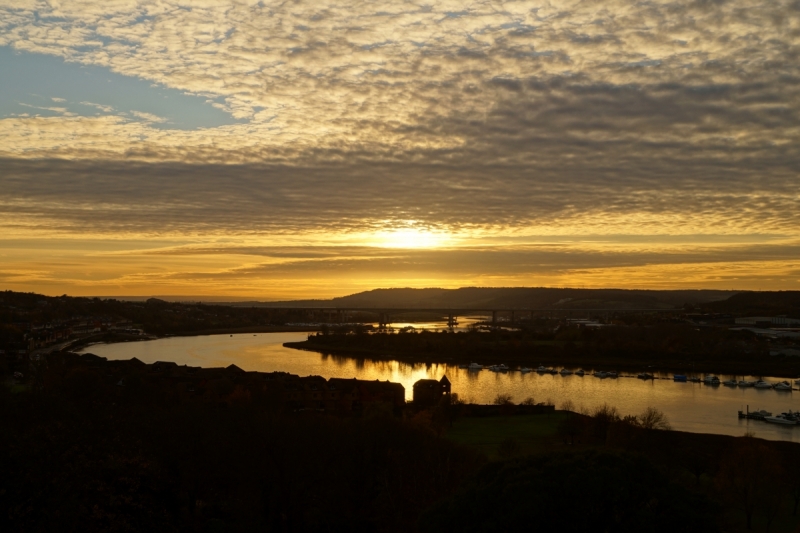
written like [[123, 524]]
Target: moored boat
[[783, 385], [694, 379], [645, 375], [729, 382], [542, 369], [579, 372], [475, 366], [524, 369], [601, 374], [787, 419], [711, 380], [611, 374], [679, 377], [565, 372], [744, 383], [760, 384]]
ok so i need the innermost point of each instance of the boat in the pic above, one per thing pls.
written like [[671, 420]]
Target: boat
[[788, 419], [552, 371], [729, 382], [565, 372], [475, 366], [611, 374], [645, 375], [797, 382], [679, 377], [600, 374], [762, 385], [579, 372], [783, 385], [755, 415], [694, 379], [711, 380], [744, 383], [524, 369], [502, 367], [542, 369]]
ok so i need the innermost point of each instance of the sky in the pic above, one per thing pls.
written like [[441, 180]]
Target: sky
[[310, 149]]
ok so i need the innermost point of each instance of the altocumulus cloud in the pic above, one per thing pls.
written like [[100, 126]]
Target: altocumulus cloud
[[516, 118]]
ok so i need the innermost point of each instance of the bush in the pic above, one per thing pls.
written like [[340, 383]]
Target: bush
[[503, 399]]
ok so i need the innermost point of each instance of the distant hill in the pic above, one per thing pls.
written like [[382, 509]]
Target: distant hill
[[516, 297], [760, 304]]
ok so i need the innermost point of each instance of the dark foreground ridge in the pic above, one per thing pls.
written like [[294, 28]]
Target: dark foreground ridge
[[96, 446]]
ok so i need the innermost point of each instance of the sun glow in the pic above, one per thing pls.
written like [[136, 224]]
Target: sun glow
[[410, 238]]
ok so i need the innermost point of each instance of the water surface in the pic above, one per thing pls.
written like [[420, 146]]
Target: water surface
[[689, 406]]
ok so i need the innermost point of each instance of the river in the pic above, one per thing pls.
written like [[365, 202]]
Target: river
[[689, 406]]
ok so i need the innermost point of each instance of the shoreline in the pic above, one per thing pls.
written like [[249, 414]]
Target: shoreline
[[118, 338], [672, 367], [735, 369]]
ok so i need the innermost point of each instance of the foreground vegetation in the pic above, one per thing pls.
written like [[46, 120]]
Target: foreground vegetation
[[81, 451]]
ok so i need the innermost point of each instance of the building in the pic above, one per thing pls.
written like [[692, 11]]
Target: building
[[430, 391]]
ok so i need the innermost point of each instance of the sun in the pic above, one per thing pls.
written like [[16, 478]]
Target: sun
[[410, 238]]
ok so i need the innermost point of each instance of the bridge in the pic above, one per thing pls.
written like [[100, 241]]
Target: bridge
[[384, 314]]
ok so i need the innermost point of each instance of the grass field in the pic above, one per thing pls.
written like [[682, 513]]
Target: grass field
[[521, 434]]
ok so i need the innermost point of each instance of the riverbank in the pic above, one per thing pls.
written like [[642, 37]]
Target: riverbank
[[790, 370], [116, 338]]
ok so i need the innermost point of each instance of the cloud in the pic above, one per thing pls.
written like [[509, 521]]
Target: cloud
[[357, 197], [355, 76], [101, 107], [148, 117]]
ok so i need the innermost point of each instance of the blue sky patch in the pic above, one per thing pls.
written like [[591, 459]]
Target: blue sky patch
[[38, 84]]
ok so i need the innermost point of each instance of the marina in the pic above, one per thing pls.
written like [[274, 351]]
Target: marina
[[690, 404]]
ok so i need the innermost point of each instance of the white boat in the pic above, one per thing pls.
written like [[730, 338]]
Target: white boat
[[475, 366], [542, 369], [600, 374], [611, 374], [579, 372], [552, 371], [788, 419], [711, 380], [729, 382], [502, 367], [524, 369], [783, 385], [743, 383], [565, 372], [645, 375], [762, 385]]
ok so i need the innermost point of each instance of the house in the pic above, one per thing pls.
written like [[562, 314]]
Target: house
[[430, 391]]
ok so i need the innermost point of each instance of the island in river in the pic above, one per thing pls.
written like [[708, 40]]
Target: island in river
[[681, 348]]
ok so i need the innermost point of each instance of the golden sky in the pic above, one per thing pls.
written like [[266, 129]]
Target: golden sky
[[277, 150]]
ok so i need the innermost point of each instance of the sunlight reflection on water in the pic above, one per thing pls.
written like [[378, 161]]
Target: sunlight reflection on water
[[689, 406]]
